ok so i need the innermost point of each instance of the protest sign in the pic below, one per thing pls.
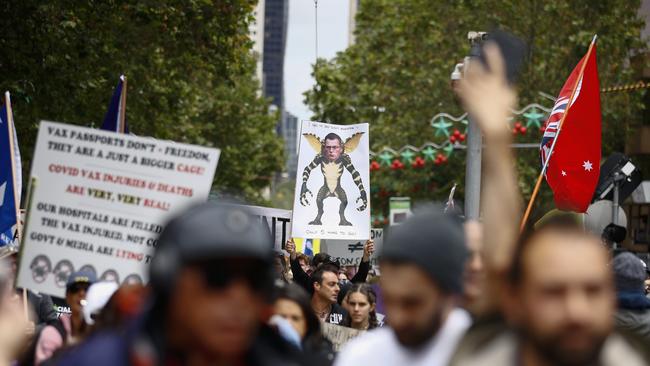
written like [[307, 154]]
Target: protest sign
[[100, 200], [331, 201], [339, 335], [349, 252], [279, 222], [399, 209]]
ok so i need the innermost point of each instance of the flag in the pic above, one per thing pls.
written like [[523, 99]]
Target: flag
[[115, 118], [573, 161], [10, 175]]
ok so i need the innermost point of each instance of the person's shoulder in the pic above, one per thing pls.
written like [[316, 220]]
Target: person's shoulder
[[363, 348], [101, 349]]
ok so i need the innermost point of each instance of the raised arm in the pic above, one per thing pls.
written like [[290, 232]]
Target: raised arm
[[489, 100]]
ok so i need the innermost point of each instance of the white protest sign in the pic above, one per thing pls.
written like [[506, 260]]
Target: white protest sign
[[279, 222], [332, 181], [99, 202], [349, 252]]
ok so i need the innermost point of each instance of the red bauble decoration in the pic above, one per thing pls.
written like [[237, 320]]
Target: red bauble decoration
[[523, 130], [452, 139], [374, 166], [456, 133], [386, 221], [396, 165], [376, 222], [517, 125], [443, 159], [418, 163], [462, 137], [515, 131]]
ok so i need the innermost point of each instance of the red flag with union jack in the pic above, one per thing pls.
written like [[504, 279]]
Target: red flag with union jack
[[573, 159]]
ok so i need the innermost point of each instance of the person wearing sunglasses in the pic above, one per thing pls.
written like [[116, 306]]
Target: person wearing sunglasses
[[69, 329], [211, 281]]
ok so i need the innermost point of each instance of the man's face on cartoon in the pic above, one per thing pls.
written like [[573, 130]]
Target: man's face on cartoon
[[333, 149]]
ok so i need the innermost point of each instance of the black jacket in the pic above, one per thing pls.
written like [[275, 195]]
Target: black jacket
[[43, 307]]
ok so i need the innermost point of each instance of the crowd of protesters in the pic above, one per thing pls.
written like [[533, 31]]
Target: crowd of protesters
[[451, 292]]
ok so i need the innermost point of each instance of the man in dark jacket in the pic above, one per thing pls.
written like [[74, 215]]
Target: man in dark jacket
[[301, 278], [211, 278]]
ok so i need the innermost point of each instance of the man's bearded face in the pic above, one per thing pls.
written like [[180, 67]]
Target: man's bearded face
[[333, 149]]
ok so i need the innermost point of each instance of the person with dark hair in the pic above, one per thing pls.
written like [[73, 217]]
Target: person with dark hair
[[361, 303], [421, 280], [560, 303], [293, 304], [326, 289], [557, 295], [211, 279], [302, 278], [633, 311]]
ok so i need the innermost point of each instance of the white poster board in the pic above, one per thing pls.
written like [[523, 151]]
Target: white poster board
[[279, 222], [332, 182], [350, 252], [100, 200]]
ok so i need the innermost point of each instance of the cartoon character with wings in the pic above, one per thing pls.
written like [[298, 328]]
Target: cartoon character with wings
[[332, 156]]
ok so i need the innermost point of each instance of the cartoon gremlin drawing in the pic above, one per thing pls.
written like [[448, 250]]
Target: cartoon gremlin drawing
[[332, 154]]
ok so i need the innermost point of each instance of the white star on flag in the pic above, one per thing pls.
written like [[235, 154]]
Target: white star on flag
[[587, 165], [563, 173]]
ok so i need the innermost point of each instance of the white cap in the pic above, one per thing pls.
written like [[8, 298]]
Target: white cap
[[96, 298]]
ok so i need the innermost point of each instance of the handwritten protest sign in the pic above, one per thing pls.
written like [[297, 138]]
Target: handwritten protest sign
[[331, 197], [349, 252], [339, 335], [99, 201]]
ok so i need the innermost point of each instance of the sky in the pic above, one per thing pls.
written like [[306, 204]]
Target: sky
[[300, 51]]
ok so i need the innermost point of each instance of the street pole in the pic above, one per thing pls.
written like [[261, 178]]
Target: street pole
[[474, 147], [473, 171]]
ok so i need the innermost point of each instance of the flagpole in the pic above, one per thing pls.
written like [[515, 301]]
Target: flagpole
[[123, 107], [10, 130], [557, 136]]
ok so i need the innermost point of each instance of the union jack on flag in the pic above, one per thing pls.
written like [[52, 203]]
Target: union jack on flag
[[551, 127]]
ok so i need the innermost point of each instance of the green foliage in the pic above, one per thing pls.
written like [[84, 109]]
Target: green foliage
[[396, 76], [189, 67]]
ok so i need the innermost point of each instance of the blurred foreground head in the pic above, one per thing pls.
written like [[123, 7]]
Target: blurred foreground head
[[422, 271], [213, 271], [561, 298]]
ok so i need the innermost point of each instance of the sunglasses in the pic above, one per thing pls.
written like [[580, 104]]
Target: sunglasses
[[77, 287], [218, 275]]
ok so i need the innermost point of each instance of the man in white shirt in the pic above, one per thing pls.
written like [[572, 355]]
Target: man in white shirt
[[421, 280]]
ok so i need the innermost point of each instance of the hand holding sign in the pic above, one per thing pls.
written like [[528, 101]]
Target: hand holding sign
[[368, 249], [290, 247]]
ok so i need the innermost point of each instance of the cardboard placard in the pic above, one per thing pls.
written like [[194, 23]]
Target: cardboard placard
[[100, 200], [332, 196], [349, 252]]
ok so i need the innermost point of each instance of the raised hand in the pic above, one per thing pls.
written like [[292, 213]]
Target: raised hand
[[486, 95]]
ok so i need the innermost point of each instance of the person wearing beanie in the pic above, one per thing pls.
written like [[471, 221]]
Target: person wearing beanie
[[422, 268], [633, 311], [211, 281]]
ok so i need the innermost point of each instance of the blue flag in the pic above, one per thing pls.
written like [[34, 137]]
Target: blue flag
[[115, 118], [10, 176]]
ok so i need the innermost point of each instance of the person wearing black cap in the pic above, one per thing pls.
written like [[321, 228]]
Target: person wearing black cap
[[211, 280], [69, 329], [422, 269]]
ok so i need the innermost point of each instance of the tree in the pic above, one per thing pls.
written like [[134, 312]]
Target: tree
[[396, 75], [189, 66]]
